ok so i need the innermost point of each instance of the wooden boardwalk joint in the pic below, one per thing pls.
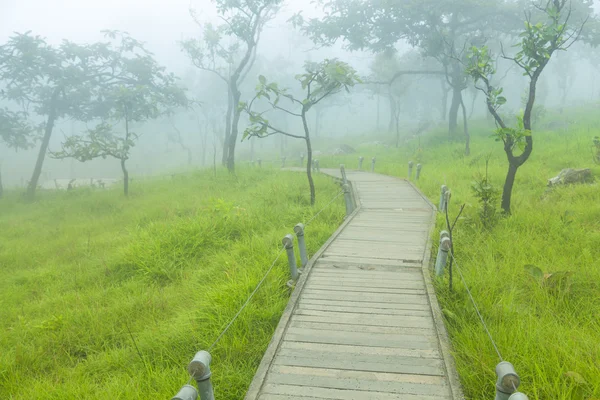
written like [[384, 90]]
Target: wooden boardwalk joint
[[363, 322]]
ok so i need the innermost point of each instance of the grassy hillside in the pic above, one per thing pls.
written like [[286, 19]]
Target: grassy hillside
[[551, 334], [106, 297]]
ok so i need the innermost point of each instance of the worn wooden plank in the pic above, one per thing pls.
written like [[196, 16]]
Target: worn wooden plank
[[340, 394], [304, 323], [363, 319], [306, 305], [401, 341], [359, 380]]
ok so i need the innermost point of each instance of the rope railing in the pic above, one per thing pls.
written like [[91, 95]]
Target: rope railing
[[199, 367], [508, 380]]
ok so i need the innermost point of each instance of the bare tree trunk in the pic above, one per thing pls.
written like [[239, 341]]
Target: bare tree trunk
[[227, 125], [466, 128], [454, 106], [392, 113], [1, 185], [231, 143], [311, 184], [378, 113], [37, 171], [508, 187], [125, 178], [444, 99]]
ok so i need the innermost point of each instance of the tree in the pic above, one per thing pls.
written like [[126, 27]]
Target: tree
[[244, 21], [539, 41], [69, 80], [437, 27], [318, 82], [125, 104], [16, 133]]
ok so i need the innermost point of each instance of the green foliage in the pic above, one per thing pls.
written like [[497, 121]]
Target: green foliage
[[514, 137], [319, 81], [15, 131], [487, 195], [171, 264]]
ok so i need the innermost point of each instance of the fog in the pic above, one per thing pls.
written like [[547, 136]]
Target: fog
[[192, 138]]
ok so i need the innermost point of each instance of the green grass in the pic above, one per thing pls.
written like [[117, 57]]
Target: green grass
[[551, 336], [106, 297]]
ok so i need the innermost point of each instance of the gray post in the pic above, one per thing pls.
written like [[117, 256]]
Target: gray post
[[288, 243], [302, 160], [373, 164], [348, 199], [188, 392], [299, 231], [314, 165], [443, 234], [282, 162], [259, 162], [442, 197], [508, 382], [343, 170], [447, 196], [360, 162], [199, 369], [318, 168], [410, 168], [441, 261], [419, 166]]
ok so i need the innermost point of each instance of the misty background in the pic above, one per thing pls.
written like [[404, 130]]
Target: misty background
[[191, 138]]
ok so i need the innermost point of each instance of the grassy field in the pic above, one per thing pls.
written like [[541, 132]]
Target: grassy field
[[551, 333], [106, 297]]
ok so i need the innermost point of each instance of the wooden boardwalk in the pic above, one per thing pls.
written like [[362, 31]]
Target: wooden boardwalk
[[363, 322]]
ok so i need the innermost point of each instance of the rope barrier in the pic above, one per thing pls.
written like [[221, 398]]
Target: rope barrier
[[323, 209], [476, 307], [247, 301]]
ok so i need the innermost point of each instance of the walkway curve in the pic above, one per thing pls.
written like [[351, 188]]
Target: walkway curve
[[363, 322]]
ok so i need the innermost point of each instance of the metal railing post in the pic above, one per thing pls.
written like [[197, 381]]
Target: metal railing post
[[373, 164], [288, 243], [343, 170], [302, 159], [299, 231], [410, 169], [440, 262], [199, 369], [360, 163], [318, 168], [443, 234], [314, 165], [348, 199], [508, 382], [187, 392], [447, 196], [259, 163], [419, 167], [442, 197], [283, 162]]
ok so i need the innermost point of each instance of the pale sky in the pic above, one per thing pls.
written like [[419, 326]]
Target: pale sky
[[159, 23]]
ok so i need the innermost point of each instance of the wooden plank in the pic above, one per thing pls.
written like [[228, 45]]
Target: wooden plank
[[339, 394], [364, 350], [359, 380], [363, 319], [409, 287], [401, 341], [344, 258], [302, 323], [369, 305], [306, 305], [366, 298], [356, 267]]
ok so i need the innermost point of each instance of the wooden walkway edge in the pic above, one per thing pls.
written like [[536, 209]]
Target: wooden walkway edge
[[363, 321]]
